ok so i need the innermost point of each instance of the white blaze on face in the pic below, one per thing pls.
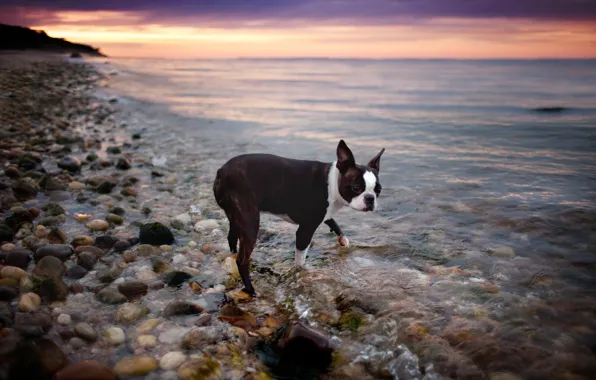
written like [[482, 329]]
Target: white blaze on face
[[370, 182]]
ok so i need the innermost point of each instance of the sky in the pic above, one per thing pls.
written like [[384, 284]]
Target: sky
[[461, 29]]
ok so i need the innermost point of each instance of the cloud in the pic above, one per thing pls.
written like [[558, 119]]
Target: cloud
[[297, 12]]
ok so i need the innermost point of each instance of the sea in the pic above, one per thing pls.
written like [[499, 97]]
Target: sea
[[487, 217]]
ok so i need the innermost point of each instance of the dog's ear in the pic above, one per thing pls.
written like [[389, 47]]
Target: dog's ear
[[345, 158], [376, 161]]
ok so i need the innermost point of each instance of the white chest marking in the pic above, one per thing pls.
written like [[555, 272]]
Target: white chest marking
[[334, 198]]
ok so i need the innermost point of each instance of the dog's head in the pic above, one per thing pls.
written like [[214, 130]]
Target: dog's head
[[358, 185]]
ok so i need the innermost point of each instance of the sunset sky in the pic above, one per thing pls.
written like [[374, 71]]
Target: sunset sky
[[318, 28]]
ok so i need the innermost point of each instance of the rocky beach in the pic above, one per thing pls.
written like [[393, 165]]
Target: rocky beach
[[114, 264]]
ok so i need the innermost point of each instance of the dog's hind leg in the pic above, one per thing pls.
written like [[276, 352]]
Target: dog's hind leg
[[304, 236], [233, 235], [248, 228]]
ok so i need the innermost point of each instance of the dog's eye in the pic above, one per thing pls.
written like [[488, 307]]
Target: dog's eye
[[378, 188], [356, 188]]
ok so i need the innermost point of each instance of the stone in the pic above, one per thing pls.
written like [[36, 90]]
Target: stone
[[76, 186], [129, 256], [49, 266], [148, 325], [85, 370], [10, 282], [13, 172], [114, 150], [77, 343], [110, 297], [80, 240], [147, 341], [50, 183], [87, 260], [109, 275], [123, 164], [231, 266], [201, 336], [37, 359], [114, 335], [82, 218], [179, 259], [64, 319], [6, 235], [105, 187], [133, 290], [206, 225], [57, 236], [71, 164], [135, 366], [155, 234], [130, 312], [239, 296], [181, 221], [173, 335], [178, 307], [53, 289], [25, 189], [87, 248], [116, 219], [6, 315], [18, 257], [29, 302], [237, 317], [85, 331], [8, 293], [15, 273], [172, 360], [98, 225], [176, 278], [7, 247], [146, 275], [105, 241], [53, 209], [60, 251], [503, 252], [192, 244], [76, 288], [200, 369], [148, 250], [76, 272]]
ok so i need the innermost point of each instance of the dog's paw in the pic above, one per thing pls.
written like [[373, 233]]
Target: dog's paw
[[343, 241], [250, 292]]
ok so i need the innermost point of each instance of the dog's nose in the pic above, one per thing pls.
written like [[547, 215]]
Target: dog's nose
[[369, 199]]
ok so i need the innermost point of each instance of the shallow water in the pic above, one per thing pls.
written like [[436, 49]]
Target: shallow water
[[483, 249]]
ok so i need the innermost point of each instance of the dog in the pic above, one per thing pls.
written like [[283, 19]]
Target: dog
[[302, 192]]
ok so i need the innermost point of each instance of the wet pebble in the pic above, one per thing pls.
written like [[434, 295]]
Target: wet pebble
[[206, 225], [155, 233], [179, 259], [172, 360], [8, 293], [98, 225], [148, 325], [105, 241], [135, 366], [76, 185], [87, 260], [178, 307], [60, 251], [50, 266], [71, 164], [110, 297], [77, 342], [29, 302], [85, 331], [129, 256], [133, 289], [200, 368], [116, 219], [64, 319], [114, 335], [15, 273], [81, 240], [18, 257], [147, 341], [121, 245], [130, 312], [76, 272], [146, 276], [173, 335], [109, 275], [85, 370], [200, 337]]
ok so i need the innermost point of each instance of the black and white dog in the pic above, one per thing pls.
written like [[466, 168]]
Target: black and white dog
[[305, 193]]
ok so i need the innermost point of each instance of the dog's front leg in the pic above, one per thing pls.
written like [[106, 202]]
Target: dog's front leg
[[341, 238], [303, 238]]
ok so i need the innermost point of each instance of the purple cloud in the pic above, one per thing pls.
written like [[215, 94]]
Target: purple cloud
[[372, 12]]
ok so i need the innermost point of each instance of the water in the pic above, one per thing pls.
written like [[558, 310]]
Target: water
[[483, 249]]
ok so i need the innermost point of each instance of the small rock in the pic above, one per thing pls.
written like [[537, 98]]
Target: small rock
[[76, 272], [173, 335], [147, 250], [237, 317], [60, 251], [105, 241], [12, 272], [176, 278], [206, 225], [76, 186], [53, 289], [148, 325], [114, 150], [239, 296], [192, 244], [130, 312], [76, 288], [25, 189], [81, 240], [8, 293], [177, 307], [7, 247], [85, 331], [87, 260], [64, 319], [49, 266], [155, 234], [133, 290], [179, 259], [200, 337], [114, 336], [71, 164], [201, 368], [146, 276], [129, 191], [82, 218], [98, 225], [147, 341], [135, 366], [123, 164], [29, 302], [129, 256], [504, 252], [204, 319], [105, 187], [77, 343], [172, 360], [85, 370], [109, 275], [110, 297], [53, 209], [116, 219], [57, 236], [87, 248], [18, 257], [231, 266], [181, 221]]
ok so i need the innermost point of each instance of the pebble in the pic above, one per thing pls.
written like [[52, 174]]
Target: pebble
[[60, 251], [18, 257], [166, 248], [98, 225], [200, 368], [85, 370], [173, 335], [76, 185], [85, 331], [129, 256], [40, 231], [50, 266], [110, 297], [172, 360], [135, 366], [114, 335], [148, 325], [200, 337], [116, 219], [179, 259], [64, 319], [147, 341], [231, 266], [133, 289], [15, 273], [81, 240], [504, 252], [192, 244], [81, 218], [146, 275], [8, 247], [130, 312], [87, 260], [76, 272], [29, 302], [205, 225]]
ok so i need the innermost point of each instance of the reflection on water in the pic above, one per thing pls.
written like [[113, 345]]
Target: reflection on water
[[483, 248]]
